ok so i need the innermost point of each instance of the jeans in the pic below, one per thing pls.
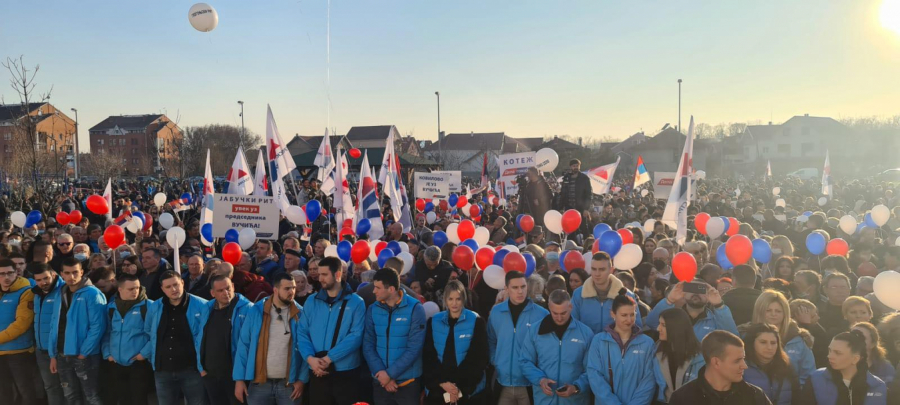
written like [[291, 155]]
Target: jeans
[[18, 373], [406, 395], [220, 390], [170, 383], [271, 392], [52, 387], [338, 387], [79, 379], [131, 383]]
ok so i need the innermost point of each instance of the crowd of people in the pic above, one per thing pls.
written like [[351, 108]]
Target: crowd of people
[[288, 323]]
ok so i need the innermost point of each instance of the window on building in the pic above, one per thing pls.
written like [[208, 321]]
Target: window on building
[[134, 141], [807, 147], [765, 150], [134, 161], [7, 137], [786, 131], [52, 147], [134, 151], [100, 142], [784, 149]]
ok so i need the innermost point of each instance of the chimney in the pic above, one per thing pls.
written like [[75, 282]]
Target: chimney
[[579, 141], [806, 115], [770, 122], [472, 134]]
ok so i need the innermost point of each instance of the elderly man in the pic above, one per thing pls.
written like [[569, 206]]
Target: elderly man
[[79, 234], [81, 251], [662, 263], [64, 245], [195, 281], [432, 273], [498, 233], [394, 232]]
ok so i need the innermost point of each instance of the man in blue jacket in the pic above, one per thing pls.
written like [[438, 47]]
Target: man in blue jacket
[[76, 332], [125, 342], [175, 324], [18, 368], [331, 333], [48, 286], [221, 333], [395, 336], [707, 311], [592, 302]]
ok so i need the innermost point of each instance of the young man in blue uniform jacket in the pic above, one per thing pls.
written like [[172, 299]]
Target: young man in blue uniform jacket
[[592, 302], [48, 286], [707, 311], [124, 340], [17, 362]]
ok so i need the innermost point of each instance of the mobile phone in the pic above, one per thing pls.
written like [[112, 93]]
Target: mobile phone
[[561, 389], [695, 288], [447, 398]]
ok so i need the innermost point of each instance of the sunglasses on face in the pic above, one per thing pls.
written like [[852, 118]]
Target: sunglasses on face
[[64, 243]]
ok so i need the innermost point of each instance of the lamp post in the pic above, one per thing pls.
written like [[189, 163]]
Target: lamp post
[[440, 144], [241, 139], [75, 110], [679, 106]]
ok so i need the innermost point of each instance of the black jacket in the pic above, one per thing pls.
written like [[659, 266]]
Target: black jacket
[[576, 192], [440, 274], [699, 392], [741, 301]]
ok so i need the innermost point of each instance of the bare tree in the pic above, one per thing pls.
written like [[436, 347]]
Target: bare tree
[[103, 164], [222, 142]]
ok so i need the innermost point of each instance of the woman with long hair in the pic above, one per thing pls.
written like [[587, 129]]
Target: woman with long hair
[[768, 366], [784, 268], [772, 308], [876, 354], [678, 357], [577, 277], [846, 379], [456, 351]]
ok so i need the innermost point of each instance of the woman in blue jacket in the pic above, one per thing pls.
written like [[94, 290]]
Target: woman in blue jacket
[[879, 366], [455, 354], [772, 307], [678, 357], [846, 380], [768, 366], [620, 362]]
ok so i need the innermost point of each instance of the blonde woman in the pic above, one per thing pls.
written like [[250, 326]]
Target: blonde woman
[[781, 246], [772, 307]]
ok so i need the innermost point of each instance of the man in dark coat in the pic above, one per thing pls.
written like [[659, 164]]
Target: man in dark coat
[[742, 298], [576, 190], [537, 198]]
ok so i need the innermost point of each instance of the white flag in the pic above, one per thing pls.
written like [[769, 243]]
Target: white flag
[[324, 159], [601, 177], [206, 213], [826, 177], [280, 162], [391, 173], [107, 194], [675, 215], [342, 202], [367, 201], [769, 168], [262, 186], [239, 180]]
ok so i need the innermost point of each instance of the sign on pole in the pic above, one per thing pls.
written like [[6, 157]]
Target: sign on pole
[[511, 166], [432, 185], [234, 211], [455, 179], [662, 183]]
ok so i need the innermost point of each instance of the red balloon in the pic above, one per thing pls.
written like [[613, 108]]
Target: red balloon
[[866, 269], [837, 246], [477, 219], [514, 261], [685, 266], [700, 222], [360, 251], [573, 260], [420, 205], [114, 236], [484, 257], [739, 249], [571, 220], [474, 211], [463, 257], [348, 223], [733, 228], [444, 205], [596, 247], [147, 224], [627, 236], [379, 247], [465, 230], [75, 217], [462, 201], [231, 253], [526, 223], [355, 153], [62, 218], [97, 205], [346, 232]]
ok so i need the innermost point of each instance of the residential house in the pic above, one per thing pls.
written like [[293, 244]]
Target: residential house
[[147, 144], [465, 152], [55, 135]]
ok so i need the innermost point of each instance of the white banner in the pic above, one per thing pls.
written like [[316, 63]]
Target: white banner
[[432, 185], [239, 211], [511, 166], [662, 183], [455, 179]]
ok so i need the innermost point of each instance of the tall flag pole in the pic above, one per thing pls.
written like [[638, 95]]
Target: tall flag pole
[[367, 200], [280, 161], [262, 186], [206, 213], [826, 177], [239, 180], [641, 175], [675, 214]]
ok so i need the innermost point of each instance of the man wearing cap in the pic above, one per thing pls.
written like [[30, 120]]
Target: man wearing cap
[[291, 260], [576, 188]]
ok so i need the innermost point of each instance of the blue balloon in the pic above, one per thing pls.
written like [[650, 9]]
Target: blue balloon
[[499, 256], [471, 244], [453, 212], [599, 229], [313, 210], [440, 238], [562, 260], [302, 262], [383, 256], [860, 226], [231, 235], [610, 242], [343, 249], [727, 225], [722, 258], [815, 243], [394, 246], [762, 252], [869, 221], [519, 221], [807, 213], [206, 231], [453, 200], [429, 206], [32, 218], [363, 226], [187, 198], [529, 264]]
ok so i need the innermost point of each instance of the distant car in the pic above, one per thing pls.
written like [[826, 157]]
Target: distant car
[[889, 174], [808, 173]]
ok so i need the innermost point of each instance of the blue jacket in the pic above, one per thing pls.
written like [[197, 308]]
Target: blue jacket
[[238, 317], [85, 322], [662, 374], [712, 319], [125, 338], [825, 391], [196, 313], [317, 325], [801, 357], [883, 370], [589, 309], [15, 327], [463, 333], [632, 380], [248, 345], [45, 307], [505, 340], [779, 392], [394, 338], [545, 355], [267, 269]]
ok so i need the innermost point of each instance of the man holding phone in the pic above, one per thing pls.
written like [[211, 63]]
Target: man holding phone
[[703, 304]]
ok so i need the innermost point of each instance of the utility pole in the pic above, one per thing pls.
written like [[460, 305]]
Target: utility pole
[[679, 106], [440, 144], [241, 140]]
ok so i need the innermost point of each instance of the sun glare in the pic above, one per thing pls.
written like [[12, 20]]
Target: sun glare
[[890, 15]]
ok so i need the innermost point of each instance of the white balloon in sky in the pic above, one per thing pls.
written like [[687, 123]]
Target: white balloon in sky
[[203, 17]]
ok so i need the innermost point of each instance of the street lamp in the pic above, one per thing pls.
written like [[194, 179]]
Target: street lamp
[[679, 106], [440, 144], [241, 140], [75, 110]]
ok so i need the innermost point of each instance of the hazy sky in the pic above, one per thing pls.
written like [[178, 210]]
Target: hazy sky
[[529, 68]]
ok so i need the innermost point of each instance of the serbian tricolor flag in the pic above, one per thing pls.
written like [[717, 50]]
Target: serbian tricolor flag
[[826, 177], [641, 175], [675, 215]]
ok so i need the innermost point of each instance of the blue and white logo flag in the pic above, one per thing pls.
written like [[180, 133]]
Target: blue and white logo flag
[[675, 215]]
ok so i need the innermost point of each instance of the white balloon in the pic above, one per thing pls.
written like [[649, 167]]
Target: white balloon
[[430, 217], [295, 214], [134, 225], [511, 248], [887, 283], [159, 199], [175, 237], [372, 256], [897, 242], [465, 210], [848, 224], [553, 221], [715, 227], [495, 277], [203, 17], [431, 309], [546, 160], [780, 202], [880, 214], [18, 219], [502, 202], [649, 224], [700, 174], [404, 247], [246, 238], [628, 257], [166, 220], [644, 192], [588, 256], [482, 236], [776, 191], [451, 233], [331, 251], [802, 219], [407, 261], [823, 201]]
